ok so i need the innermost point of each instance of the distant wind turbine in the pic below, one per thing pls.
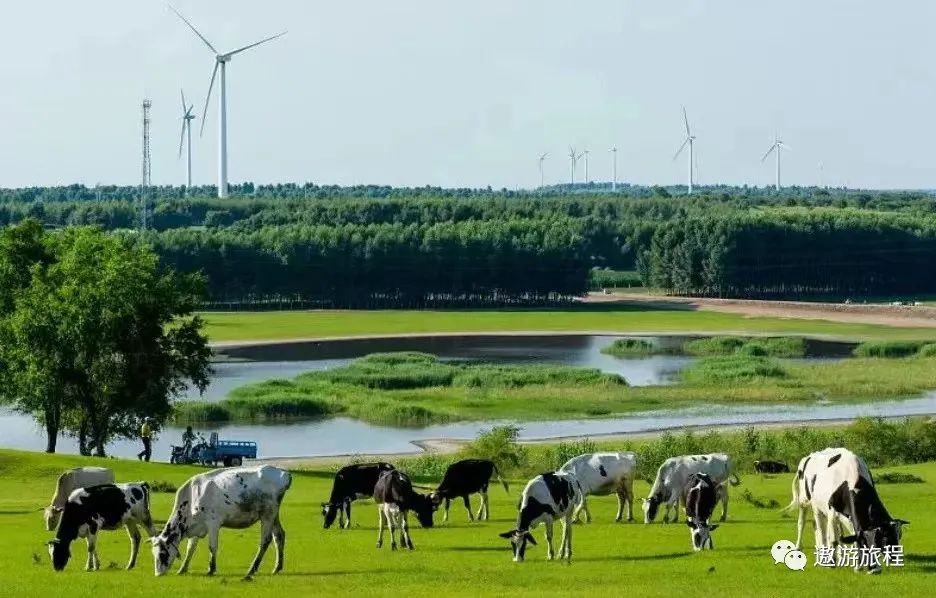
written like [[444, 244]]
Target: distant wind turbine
[[613, 151], [573, 158], [585, 153], [776, 147], [690, 138], [187, 118], [221, 61], [541, 160]]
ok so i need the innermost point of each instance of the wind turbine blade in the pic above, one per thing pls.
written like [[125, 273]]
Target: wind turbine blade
[[192, 27], [544, 156], [686, 118], [182, 93], [786, 147], [770, 151], [262, 41], [681, 148], [182, 136], [208, 98]]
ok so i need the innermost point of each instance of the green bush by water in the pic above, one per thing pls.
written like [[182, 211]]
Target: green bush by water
[[892, 349], [779, 346], [735, 368]]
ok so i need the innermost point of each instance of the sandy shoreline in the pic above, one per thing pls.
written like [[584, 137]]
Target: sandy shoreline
[[447, 446]]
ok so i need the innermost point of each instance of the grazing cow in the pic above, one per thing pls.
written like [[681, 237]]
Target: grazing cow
[[771, 467], [837, 485], [547, 497], [235, 498], [672, 476], [601, 474], [466, 477], [700, 496], [351, 483], [101, 507], [395, 498], [68, 482]]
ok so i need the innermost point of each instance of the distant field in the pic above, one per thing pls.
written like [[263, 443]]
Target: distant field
[[283, 325], [458, 559]]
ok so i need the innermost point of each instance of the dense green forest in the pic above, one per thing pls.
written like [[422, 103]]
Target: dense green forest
[[373, 246]]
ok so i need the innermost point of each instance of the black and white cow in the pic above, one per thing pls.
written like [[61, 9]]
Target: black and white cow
[[235, 498], [351, 483], [601, 474], [466, 477], [395, 498], [547, 497], [672, 476], [771, 467], [837, 485], [700, 496], [68, 482], [101, 507]]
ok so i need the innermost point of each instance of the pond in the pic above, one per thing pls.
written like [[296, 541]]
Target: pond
[[240, 365]]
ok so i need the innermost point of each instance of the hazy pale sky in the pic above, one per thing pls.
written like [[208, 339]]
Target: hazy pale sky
[[415, 92]]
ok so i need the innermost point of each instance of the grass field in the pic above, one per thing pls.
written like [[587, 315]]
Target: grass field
[[458, 558], [282, 325]]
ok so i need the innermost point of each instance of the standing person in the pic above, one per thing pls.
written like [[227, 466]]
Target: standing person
[[146, 435], [188, 439]]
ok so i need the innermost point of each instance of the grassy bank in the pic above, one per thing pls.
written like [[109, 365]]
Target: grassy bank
[[284, 325], [419, 390], [458, 558], [768, 346]]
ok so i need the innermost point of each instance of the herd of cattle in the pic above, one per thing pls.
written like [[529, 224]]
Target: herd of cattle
[[834, 483]]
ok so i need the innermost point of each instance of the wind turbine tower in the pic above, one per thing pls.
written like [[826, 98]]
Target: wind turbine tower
[[541, 160], [690, 138], [776, 147], [221, 60], [613, 151], [147, 163], [573, 158], [187, 118], [585, 153]]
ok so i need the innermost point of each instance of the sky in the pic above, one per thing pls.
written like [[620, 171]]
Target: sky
[[469, 94]]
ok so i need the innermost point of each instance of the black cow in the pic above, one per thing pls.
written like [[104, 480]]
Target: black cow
[[700, 495], [395, 498], [466, 477], [874, 526], [771, 467], [104, 507], [351, 483]]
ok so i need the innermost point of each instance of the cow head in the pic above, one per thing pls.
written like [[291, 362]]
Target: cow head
[[164, 553], [701, 534], [424, 507], [888, 534], [518, 541], [52, 515], [329, 512], [650, 507], [59, 552]]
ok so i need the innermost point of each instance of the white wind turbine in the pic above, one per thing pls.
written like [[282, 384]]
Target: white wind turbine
[[220, 61], [541, 160], [613, 151], [585, 153], [776, 147], [573, 158], [187, 118], [690, 138]]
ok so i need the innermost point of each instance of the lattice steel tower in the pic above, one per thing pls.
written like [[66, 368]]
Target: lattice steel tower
[[147, 165]]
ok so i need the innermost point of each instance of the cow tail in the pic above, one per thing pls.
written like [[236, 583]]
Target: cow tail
[[796, 497], [501, 480], [146, 495]]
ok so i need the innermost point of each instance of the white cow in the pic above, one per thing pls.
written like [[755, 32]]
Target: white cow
[[601, 474], [547, 497], [671, 480], [837, 485], [233, 498], [68, 482]]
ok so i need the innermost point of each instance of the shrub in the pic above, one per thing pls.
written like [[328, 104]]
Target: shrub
[[715, 345], [557, 456], [162, 486], [515, 376], [735, 368], [888, 349], [625, 347], [391, 371], [777, 346], [928, 350], [426, 466], [499, 444]]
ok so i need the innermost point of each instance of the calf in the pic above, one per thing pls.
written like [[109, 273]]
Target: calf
[[547, 497], [700, 496], [395, 498], [68, 482], [837, 485], [235, 498], [351, 483], [673, 475], [601, 474], [771, 467], [466, 477], [101, 507]]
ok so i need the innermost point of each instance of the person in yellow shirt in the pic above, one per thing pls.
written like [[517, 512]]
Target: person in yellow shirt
[[146, 434]]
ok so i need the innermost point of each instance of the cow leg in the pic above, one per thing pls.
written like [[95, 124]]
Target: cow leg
[[391, 517], [723, 495], [279, 540], [91, 564], [347, 508], [672, 505], [213, 549], [484, 509], [820, 530], [566, 539], [588, 517], [404, 527], [468, 506], [549, 537], [629, 489], [445, 516], [621, 496], [189, 552], [380, 522], [134, 534], [800, 526], [266, 536]]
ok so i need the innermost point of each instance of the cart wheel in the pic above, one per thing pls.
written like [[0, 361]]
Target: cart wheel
[[227, 461], [236, 461]]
